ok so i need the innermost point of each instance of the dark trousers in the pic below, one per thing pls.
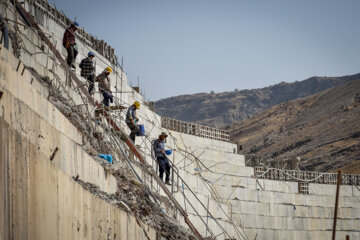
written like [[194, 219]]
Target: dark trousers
[[134, 130], [72, 53], [91, 81], [164, 166], [107, 97]]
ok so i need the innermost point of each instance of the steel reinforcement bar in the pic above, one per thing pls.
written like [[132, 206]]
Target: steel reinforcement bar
[[29, 19]]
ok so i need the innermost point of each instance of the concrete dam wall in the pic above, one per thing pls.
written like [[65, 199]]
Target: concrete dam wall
[[39, 198], [42, 153]]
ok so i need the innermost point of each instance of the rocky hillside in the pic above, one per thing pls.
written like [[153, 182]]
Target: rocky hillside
[[222, 109], [322, 129]]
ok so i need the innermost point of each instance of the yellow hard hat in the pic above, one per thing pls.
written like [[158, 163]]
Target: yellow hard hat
[[108, 69], [137, 104]]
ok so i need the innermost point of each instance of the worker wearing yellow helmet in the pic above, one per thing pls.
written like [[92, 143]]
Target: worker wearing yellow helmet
[[104, 85], [132, 120]]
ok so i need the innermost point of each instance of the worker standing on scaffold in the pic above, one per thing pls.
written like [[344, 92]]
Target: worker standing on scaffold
[[70, 44], [88, 71], [104, 86], [163, 161], [132, 120]]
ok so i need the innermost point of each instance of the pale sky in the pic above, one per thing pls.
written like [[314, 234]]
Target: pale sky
[[188, 46]]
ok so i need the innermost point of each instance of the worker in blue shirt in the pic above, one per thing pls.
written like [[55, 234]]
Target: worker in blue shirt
[[163, 161], [131, 120]]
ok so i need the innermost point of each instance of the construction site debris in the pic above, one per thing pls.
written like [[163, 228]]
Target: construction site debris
[[132, 196]]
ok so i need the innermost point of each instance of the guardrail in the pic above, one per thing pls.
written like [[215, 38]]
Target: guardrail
[[305, 176], [195, 129]]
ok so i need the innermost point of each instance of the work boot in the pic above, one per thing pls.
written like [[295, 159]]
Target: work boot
[[73, 66], [167, 182]]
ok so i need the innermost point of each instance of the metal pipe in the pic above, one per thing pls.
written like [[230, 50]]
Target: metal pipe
[[4, 29], [336, 203]]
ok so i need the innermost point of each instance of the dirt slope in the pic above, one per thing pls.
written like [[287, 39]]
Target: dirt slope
[[323, 129], [222, 109]]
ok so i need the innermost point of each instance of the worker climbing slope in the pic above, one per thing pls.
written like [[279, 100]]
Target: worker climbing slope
[[163, 161], [70, 44], [104, 86], [88, 71], [132, 120]]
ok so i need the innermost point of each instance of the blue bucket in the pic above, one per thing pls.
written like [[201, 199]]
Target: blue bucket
[[142, 130], [168, 152]]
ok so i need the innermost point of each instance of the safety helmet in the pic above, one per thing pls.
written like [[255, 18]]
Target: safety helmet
[[108, 69], [91, 54], [76, 24], [137, 104]]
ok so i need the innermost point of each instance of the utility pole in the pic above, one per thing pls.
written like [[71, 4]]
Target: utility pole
[[336, 203]]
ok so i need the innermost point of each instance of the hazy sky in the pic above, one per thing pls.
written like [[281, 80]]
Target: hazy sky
[[190, 46]]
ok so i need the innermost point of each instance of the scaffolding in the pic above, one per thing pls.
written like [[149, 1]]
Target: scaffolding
[[113, 130]]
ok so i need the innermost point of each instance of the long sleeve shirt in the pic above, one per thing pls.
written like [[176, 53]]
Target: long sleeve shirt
[[104, 82], [131, 114], [87, 67], [69, 37], [158, 147]]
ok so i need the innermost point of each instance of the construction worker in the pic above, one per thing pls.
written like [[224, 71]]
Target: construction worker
[[70, 44], [163, 161], [104, 85], [88, 71], [131, 120]]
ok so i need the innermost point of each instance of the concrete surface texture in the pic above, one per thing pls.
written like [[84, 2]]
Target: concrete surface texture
[[40, 200]]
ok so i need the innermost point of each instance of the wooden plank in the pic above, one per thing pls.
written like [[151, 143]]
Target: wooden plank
[[100, 110]]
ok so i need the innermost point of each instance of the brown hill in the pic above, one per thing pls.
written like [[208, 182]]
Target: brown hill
[[222, 109], [323, 129]]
